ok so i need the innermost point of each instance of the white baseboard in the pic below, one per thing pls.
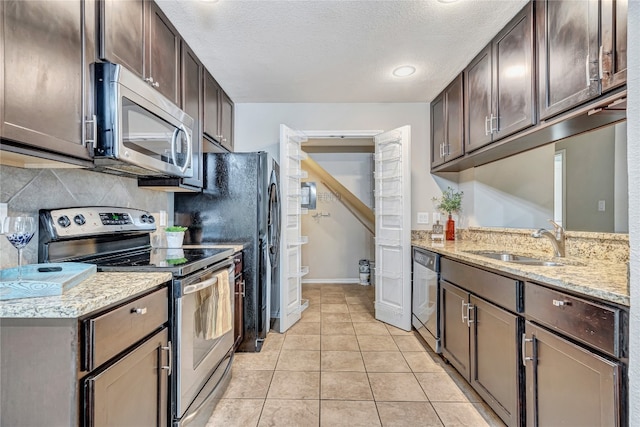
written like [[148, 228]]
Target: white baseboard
[[350, 280]]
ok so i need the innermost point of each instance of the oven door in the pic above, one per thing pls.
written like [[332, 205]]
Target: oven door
[[198, 354]]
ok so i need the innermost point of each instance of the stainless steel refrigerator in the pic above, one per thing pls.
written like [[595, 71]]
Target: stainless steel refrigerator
[[240, 204]]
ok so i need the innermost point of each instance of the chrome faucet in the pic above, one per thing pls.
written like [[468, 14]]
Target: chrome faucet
[[557, 237]]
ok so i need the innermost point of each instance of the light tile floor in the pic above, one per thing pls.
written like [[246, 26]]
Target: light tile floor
[[339, 366]]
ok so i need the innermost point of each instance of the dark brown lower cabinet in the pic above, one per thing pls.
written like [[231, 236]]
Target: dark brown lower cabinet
[[480, 340], [567, 384], [455, 330], [494, 358], [133, 391]]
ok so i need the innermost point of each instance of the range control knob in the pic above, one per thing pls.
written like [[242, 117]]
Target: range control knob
[[64, 221], [151, 219], [79, 219], [144, 218]]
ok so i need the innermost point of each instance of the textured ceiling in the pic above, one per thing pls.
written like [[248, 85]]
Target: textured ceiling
[[336, 51]]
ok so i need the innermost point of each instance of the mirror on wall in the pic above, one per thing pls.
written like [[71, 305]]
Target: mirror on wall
[[580, 182]]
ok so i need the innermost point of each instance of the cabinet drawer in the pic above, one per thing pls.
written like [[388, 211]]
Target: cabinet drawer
[[594, 324], [500, 290], [113, 331]]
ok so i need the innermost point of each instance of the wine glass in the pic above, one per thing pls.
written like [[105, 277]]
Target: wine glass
[[19, 230]]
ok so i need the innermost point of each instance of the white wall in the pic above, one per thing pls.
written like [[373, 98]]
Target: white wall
[[633, 164], [257, 128], [338, 241]]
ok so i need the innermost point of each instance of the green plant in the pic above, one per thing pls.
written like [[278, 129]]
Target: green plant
[[175, 229], [450, 202]]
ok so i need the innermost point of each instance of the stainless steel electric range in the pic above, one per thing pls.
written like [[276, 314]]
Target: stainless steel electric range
[[118, 239]]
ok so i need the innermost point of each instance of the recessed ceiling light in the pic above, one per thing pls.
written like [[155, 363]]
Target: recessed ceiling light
[[447, 1], [404, 71]]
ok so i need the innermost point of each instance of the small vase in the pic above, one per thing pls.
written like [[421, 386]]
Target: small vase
[[451, 229]]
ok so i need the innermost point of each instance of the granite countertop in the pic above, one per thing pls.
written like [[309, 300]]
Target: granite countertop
[[604, 280], [94, 293]]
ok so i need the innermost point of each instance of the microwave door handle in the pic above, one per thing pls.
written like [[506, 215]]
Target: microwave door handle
[[190, 289], [189, 149], [182, 128]]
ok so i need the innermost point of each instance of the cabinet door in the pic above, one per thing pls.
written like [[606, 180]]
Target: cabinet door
[[455, 120], [455, 328], [134, 390], [568, 54], [226, 121], [122, 34], [43, 75], [513, 86], [494, 359], [192, 95], [437, 131], [238, 316], [163, 54], [567, 384], [478, 78], [211, 110], [613, 52]]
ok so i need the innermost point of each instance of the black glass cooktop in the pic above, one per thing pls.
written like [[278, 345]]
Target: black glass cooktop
[[178, 261]]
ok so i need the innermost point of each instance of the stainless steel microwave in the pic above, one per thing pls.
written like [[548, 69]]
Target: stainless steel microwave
[[139, 131]]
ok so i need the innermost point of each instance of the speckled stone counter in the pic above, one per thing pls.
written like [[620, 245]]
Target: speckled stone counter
[[604, 280], [99, 291]]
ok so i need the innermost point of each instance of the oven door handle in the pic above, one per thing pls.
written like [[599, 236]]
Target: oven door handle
[[199, 286]]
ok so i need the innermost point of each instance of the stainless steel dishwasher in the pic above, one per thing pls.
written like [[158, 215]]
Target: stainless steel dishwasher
[[426, 297]]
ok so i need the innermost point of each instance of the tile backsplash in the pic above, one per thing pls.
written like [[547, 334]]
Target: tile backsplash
[[26, 191]]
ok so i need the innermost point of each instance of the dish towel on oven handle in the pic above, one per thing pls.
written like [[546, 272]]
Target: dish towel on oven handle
[[223, 321]]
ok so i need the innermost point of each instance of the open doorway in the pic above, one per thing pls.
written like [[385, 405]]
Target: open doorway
[[337, 240]]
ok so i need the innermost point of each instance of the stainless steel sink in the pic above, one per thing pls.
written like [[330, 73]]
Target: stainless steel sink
[[517, 259]]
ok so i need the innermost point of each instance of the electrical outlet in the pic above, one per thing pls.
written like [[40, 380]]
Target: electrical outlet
[[3, 214], [601, 206], [423, 218]]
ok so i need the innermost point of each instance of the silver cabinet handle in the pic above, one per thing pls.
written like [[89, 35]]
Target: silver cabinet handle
[[491, 128], [559, 303], [168, 349], [525, 340], [140, 311], [94, 134], [470, 308], [486, 125], [600, 65], [243, 288], [588, 74], [464, 311]]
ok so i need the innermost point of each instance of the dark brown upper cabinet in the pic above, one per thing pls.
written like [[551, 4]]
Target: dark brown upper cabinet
[[45, 91], [568, 50], [499, 85], [613, 47], [226, 121], [139, 36], [191, 103], [218, 114], [447, 135]]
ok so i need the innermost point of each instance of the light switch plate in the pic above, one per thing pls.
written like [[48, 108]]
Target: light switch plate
[[423, 218], [601, 206]]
